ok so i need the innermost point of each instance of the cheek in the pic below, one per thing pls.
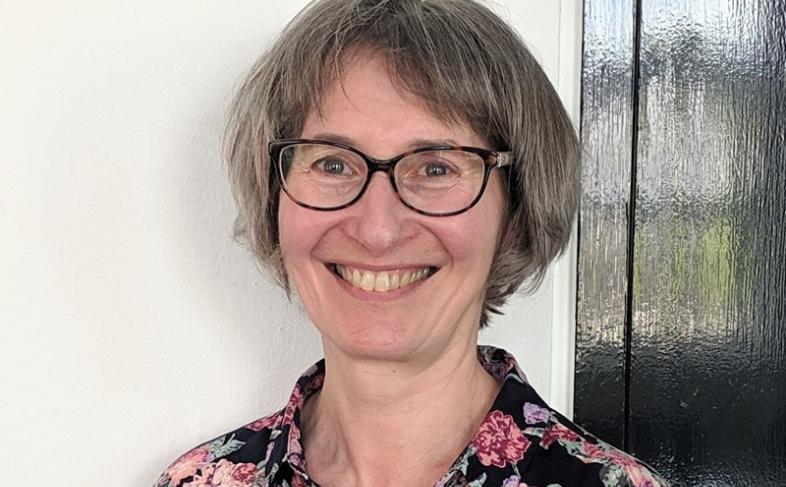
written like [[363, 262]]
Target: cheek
[[303, 236], [286, 229], [474, 238], [471, 241], [298, 232], [466, 240], [498, 207], [483, 223]]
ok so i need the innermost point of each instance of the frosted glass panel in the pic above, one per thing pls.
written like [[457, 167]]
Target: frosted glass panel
[[708, 378], [607, 135], [681, 324]]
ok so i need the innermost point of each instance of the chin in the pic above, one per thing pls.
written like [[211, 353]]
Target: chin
[[385, 339]]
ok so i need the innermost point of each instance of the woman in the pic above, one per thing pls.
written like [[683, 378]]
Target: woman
[[404, 166]]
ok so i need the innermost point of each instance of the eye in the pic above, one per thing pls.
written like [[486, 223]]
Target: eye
[[436, 169], [332, 165]]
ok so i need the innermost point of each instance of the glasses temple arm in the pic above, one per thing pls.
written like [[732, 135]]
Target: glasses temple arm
[[504, 159]]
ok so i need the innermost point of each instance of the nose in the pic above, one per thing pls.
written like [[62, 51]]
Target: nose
[[380, 214]]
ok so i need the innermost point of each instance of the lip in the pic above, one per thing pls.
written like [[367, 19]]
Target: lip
[[381, 268], [379, 296]]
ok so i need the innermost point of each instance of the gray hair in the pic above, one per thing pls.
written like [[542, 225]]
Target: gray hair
[[468, 66]]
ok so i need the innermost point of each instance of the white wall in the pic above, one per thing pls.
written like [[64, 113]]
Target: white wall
[[132, 327]]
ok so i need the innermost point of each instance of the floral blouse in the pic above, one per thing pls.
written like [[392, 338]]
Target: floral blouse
[[521, 443]]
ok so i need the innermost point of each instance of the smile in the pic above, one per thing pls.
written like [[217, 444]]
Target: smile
[[384, 281]]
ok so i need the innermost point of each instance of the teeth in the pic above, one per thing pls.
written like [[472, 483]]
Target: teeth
[[406, 279], [381, 282], [395, 281], [356, 278], [367, 283]]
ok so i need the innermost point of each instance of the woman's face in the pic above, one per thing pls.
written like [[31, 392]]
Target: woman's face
[[381, 240]]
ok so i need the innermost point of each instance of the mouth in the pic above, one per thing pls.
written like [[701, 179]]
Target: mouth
[[382, 281]]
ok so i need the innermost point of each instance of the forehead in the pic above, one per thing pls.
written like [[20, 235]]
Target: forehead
[[367, 107]]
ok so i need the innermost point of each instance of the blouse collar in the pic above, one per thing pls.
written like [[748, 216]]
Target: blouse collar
[[286, 449]]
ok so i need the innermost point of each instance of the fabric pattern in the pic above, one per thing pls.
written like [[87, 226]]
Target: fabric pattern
[[521, 443]]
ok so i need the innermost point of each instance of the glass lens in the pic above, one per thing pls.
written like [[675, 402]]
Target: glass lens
[[322, 176], [440, 181]]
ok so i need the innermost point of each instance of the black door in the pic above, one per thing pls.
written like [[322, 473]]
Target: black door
[[681, 326]]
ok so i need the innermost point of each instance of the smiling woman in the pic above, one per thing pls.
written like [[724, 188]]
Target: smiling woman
[[404, 166], [444, 260]]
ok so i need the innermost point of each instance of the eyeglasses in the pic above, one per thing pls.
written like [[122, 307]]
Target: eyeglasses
[[434, 181]]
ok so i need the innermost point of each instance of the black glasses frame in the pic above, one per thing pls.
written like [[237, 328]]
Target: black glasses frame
[[491, 158]]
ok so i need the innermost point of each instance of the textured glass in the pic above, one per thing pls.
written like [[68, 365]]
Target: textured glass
[[607, 137], [699, 390], [708, 379]]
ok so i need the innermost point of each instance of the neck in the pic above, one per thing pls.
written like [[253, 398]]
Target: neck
[[373, 420]]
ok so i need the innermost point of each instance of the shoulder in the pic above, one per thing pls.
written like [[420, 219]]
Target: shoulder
[[524, 440], [237, 458], [574, 451]]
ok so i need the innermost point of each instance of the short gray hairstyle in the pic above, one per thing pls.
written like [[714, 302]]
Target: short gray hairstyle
[[468, 66]]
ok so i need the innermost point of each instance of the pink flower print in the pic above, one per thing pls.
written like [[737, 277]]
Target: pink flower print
[[294, 448], [188, 465], [604, 453], [264, 423], [499, 440], [228, 474], [620, 457], [592, 452], [534, 414], [557, 432], [295, 403], [638, 475], [298, 481], [204, 479]]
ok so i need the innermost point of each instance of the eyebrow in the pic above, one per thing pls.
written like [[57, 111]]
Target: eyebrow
[[414, 144]]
